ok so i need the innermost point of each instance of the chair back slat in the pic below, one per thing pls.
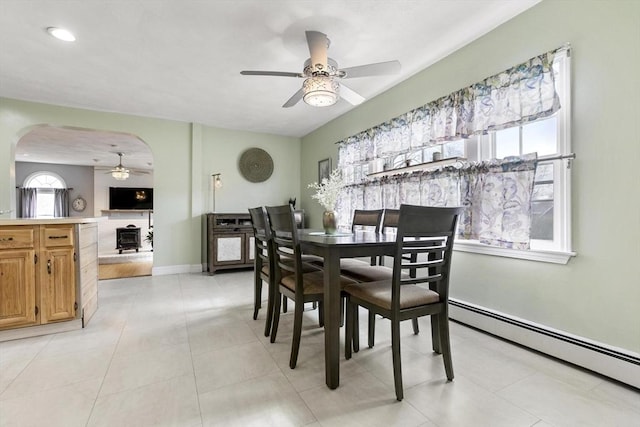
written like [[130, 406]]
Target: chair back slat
[[262, 236], [285, 242], [367, 218], [424, 245]]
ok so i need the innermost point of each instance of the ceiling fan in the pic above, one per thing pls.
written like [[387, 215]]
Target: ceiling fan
[[121, 173], [322, 86]]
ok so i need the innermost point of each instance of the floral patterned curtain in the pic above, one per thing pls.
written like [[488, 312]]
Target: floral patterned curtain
[[497, 197], [521, 94]]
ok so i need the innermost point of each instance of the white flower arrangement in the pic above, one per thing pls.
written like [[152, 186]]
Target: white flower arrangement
[[328, 190]]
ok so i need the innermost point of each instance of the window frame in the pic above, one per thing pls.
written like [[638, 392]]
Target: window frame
[[28, 183], [560, 249]]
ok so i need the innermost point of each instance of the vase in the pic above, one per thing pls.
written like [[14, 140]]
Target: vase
[[329, 222]]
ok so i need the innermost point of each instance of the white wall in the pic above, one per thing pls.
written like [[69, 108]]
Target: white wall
[[596, 295]]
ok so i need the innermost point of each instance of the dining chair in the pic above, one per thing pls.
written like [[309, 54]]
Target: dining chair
[[263, 265], [293, 280], [366, 220], [427, 232]]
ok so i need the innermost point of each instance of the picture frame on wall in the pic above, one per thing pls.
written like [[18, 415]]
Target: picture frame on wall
[[324, 169]]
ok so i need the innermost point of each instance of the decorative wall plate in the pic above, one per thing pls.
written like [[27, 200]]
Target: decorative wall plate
[[256, 165]]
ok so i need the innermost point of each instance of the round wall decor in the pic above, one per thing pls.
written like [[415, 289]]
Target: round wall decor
[[256, 165]]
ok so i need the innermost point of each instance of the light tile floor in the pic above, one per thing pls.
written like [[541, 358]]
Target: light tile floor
[[183, 350]]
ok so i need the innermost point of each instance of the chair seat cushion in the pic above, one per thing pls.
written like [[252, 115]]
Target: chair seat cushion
[[368, 273], [379, 293], [313, 282]]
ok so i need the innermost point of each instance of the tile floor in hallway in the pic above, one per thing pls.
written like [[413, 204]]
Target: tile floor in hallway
[[183, 350]]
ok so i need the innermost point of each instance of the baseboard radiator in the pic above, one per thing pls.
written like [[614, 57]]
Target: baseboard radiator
[[616, 363]]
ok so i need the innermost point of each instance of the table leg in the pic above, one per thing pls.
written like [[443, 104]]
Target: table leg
[[332, 318]]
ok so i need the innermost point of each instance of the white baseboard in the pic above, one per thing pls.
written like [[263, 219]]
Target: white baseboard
[[619, 364], [176, 269]]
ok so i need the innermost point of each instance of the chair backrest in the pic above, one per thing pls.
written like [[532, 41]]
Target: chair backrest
[[428, 233], [262, 238], [286, 246], [369, 218], [390, 218]]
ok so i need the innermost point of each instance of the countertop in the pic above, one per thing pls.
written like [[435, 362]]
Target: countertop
[[39, 221]]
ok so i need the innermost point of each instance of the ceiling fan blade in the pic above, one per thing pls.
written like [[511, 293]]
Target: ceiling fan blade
[[351, 96], [318, 46], [377, 69], [294, 99], [271, 73]]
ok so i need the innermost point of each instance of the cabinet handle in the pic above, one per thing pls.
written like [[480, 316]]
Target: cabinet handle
[[58, 237], [6, 239], [49, 266]]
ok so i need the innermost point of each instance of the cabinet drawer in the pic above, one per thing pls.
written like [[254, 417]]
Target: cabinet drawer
[[54, 236], [16, 238]]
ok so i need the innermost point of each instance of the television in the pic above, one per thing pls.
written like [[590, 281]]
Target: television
[[130, 198]]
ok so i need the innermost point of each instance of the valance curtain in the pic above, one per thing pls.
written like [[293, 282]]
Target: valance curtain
[[521, 94], [27, 202], [60, 202]]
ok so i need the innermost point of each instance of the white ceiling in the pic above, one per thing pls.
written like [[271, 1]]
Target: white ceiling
[[181, 59]]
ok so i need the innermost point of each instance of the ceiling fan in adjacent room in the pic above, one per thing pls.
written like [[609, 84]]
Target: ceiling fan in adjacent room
[[121, 173], [322, 86]]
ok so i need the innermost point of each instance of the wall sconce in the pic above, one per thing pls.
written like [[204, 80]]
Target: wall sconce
[[216, 182]]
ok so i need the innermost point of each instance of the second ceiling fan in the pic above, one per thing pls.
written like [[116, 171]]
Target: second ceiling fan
[[322, 86]]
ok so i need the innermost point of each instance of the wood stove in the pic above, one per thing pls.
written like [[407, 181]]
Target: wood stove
[[128, 238]]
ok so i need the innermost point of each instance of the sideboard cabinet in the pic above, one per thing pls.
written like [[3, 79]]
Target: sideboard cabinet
[[229, 241]]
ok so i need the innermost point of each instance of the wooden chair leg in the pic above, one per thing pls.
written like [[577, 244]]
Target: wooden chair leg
[[435, 334], [355, 327], [416, 328], [284, 304], [445, 344], [276, 317], [297, 332], [321, 314], [397, 363], [270, 309], [372, 329], [348, 335], [257, 295]]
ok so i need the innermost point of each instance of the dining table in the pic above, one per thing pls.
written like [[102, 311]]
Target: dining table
[[333, 247]]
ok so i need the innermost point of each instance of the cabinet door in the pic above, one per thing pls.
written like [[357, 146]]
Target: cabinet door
[[251, 249], [57, 285], [228, 248], [17, 288]]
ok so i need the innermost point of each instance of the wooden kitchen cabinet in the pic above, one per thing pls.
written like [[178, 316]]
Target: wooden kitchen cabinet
[[17, 288], [48, 275], [57, 273]]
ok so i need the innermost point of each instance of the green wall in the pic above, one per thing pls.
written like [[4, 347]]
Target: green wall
[[597, 294], [184, 157]]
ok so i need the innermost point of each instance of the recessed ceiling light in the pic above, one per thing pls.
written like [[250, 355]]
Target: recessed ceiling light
[[61, 34]]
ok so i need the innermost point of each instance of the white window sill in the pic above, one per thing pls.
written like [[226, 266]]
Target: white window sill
[[554, 257]]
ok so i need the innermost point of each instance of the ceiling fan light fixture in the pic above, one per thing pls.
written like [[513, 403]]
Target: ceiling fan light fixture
[[120, 174], [320, 91], [61, 34]]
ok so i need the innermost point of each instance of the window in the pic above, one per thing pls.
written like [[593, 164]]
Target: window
[[44, 182], [549, 137], [487, 120]]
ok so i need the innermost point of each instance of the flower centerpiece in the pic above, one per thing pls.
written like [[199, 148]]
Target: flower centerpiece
[[327, 192]]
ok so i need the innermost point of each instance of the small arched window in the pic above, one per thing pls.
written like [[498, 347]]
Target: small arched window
[[44, 183]]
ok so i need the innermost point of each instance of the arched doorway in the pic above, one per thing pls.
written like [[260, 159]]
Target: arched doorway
[[92, 163]]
